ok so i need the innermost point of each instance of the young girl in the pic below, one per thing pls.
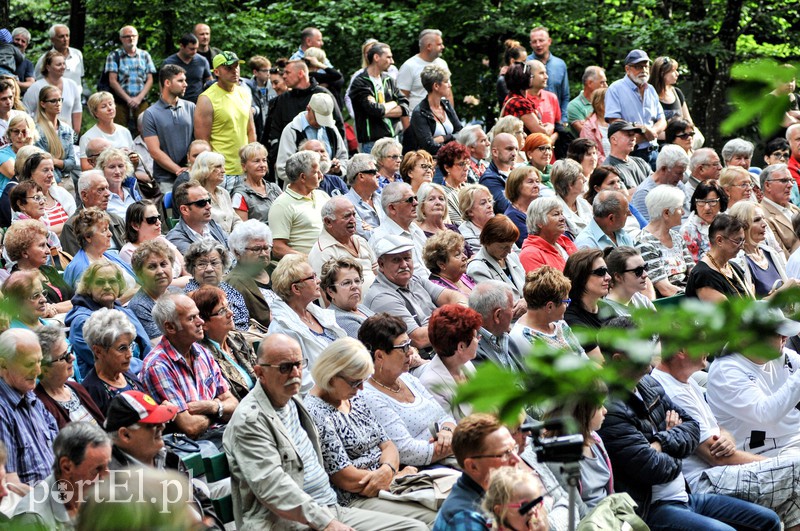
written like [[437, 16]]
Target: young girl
[[507, 498]]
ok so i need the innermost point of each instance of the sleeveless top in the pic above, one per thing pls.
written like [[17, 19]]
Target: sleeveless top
[[229, 128]]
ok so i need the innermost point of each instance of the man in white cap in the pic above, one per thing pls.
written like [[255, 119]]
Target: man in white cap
[[397, 291], [315, 123]]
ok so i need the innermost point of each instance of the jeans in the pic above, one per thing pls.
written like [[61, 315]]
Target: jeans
[[366, 147], [711, 512], [649, 156]]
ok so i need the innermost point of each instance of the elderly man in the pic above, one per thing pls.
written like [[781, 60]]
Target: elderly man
[[338, 238], [93, 191], [135, 423], [776, 184], [26, 428], [557, 81], [431, 47], [362, 176], [130, 76], [704, 165], [273, 449], [377, 111], [622, 138], [198, 70], [82, 452], [594, 77], [474, 137], [59, 38], [504, 155], [331, 184], [609, 214], [398, 291], [314, 123], [204, 48], [295, 217], [481, 444], [494, 300], [717, 467], [21, 38], [194, 205], [399, 205], [670, 168], [632, 99], [182, 372], [309, 38]]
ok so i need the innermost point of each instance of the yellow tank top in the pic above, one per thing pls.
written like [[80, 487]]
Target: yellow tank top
[[229, 129]]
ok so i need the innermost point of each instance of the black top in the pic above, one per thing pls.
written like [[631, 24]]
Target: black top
[[704, 276], [576, 315]]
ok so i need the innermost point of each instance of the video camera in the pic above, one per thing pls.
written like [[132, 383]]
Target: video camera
[[563, 449]]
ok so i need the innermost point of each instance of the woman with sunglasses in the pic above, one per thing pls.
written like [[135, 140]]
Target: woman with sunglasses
[[661, 244], [358, 455], [628, 272], [586, 269], [55, 136], [229, 347], [295, 313], [67, 400], [416, 169], [387, 153], [681, 133], [508, 498], [715, 277], [401, 403]]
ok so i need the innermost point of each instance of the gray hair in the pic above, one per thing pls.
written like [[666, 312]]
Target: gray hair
[[489, 295], [700, 157], [663, 197], [21, 31], [393, 192], [606, 203], [358, 163], [382, 147], [737, 146], [48, 337], [422, 195], [789, 130], [347, 357], [564, 174], [245, 232], [425, 34], [671, 155], [166, 311], [538, 211], [328, 210], [74, 439], [10, 340], [299, 163], [202, 248], [105, 326], [591, 73], [468, 136], [85, 180], [52, 32], [433, 74], [771, 170]]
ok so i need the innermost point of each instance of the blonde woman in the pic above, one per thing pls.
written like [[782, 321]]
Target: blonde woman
[[55, 136], [102, 107], [508, 500], [209, 170]]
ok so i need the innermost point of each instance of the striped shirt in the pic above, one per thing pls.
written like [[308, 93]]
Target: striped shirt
[[56, 215]]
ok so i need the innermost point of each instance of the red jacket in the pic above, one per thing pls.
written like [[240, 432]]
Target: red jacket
[[536, 252]]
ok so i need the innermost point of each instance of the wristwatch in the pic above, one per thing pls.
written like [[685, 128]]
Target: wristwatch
[[220, 409]]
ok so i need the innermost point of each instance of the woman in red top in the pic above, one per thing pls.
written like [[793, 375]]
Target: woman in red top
[[518, 80], [546, 243]]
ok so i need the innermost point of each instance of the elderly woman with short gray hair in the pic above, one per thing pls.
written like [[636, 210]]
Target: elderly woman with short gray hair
[[433, 121], [546, 243], [152, 262], [109, 334], [251, 244], [209, 170], [207, 260], [388, 153], [568, 181], [342, 281], [663, 248]]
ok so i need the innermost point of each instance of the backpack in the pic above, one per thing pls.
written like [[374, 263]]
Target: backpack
[[103, 83]]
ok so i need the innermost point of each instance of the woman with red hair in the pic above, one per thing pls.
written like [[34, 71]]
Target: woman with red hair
[[453, 332]]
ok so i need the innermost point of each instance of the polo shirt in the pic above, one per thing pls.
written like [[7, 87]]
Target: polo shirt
[[174, 127], [623, 101], [414, 304], [593, 237], [366, 213], [547, 107], [414, 233], [197, 72], [633, 171], [297, 218], [578, 109]]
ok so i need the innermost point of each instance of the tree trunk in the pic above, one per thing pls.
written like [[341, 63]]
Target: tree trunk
[[77, 23], [4, 13]]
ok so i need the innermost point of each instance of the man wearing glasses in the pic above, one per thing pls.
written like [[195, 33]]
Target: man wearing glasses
[[194, 204], [776, 183], [93, 191], [399, 204], [275, 458]]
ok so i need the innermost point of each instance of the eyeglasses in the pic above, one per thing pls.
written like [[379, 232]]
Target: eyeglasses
[[410, 200], [782, 181], [313, 276], [288, 366], [204, 265], [54, 100], [100, 282], [426, 167], [35, 296], [746, 186], [222, 312], [780, 154], [345, 284], [525, 507], [201, 203], [545, 149], [128, 36], [641, 66], [18, 131], [66, 356], [637, 271], [39, 198], [152, 220], [737, 243], [600, 271], [463, 163], [707, 202], [685, 135], [395, 157], [404, 346], [355, 384], [259, 250], [370, 172], [504, 456]]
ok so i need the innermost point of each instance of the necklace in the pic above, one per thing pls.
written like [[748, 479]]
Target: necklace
[[736, 290], [399, 387]]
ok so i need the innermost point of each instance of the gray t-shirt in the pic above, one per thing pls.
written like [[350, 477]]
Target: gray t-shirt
[[174, 127], [197, 71], [413, 304], [632, 171]]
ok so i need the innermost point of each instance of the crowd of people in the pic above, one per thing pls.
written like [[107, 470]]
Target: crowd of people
[[296, 272]]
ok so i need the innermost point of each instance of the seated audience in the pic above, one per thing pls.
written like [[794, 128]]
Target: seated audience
[[584, 152], [497, 260], [58, 203], [453, 160], [707, 201], [568, 182], [736, 183], [609, 215], [589, 278], [92, 189], [251, 244], [364, 193], [27, 202], [254, 196], [477, 143], [494, 302], [510, 489], [628, 285], [387, 153], [103, 109], [342, 282], [209, 170], [20, 132], [416, 169], [400, 205], [605, 178], [445, 259], [433, 213], [776, 183], [477, 207], [716, 277], [522, 188], [118, 171], [547, 242]]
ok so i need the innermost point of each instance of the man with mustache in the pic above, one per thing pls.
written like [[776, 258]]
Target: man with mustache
[[632, 99], [338, 238], [275, 457]]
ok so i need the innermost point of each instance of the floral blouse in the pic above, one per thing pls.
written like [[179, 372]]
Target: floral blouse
[[694, 232], [665, 263]]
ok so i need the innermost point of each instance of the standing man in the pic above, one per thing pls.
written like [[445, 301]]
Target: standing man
[[25, 77], [504, 154], [580, 108], [204, 48], [557, 81], [634, 100], [59, 37], [223, 116], [130, 75], [309, 38], [431, 47], [378, 105], [196, 67], [169, 126]]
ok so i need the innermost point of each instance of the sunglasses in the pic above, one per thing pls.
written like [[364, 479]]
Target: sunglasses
[[54, 100], [637, 271], [287, 367], [64, 357], [600, 271], [685, 135], [354, 384], [371, 172], [152, 220], [200, 203], [411, 200]]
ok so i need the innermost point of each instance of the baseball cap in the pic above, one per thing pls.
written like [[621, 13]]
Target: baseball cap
[[622, 125], [393, 244], [225, 58], [322, 105], [130, 407], [636, 56]]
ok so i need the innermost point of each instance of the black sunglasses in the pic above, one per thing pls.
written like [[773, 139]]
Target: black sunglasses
[[152, 220], [287, 367], [638, 271], [201, 203], [684, 135], [371, 172], [600, 271], [410, 200]]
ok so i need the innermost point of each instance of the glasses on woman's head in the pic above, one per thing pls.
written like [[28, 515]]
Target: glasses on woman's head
[[152, 220], [288, 366], [404, 346], [600, 271], [637, 271]]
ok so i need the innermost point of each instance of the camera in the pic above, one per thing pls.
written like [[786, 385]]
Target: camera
[[563, 449]]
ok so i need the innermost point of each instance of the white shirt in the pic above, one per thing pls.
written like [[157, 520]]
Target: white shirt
[[389, 227], [408, 78]]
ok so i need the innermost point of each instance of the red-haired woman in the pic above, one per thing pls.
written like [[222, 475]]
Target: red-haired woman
[[453, 160]]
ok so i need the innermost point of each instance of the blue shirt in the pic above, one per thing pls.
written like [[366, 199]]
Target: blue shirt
[[639, 199], [623, 101], [28, 431], [557, 81], [312, 133], [365, 212], [594, 237], [461, 510]]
